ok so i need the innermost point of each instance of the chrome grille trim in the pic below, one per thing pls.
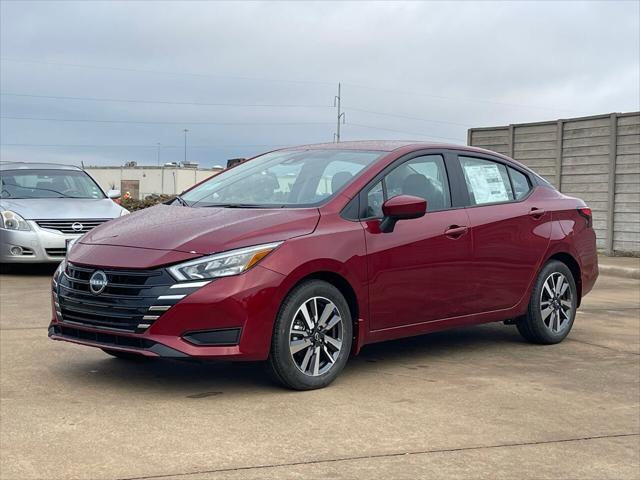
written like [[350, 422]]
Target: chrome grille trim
[[66, 226]]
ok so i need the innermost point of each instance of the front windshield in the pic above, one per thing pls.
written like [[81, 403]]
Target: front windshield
[[283, 178], [40, 183]]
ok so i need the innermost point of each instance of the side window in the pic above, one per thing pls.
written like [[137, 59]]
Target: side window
[[487, 181], [375, 199], [520, 182], [423, 177]]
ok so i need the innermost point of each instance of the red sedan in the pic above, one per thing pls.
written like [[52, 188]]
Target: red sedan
[[303, 255]]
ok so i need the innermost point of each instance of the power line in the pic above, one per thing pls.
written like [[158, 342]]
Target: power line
[[163, 72], [87, 145], [386, 114], [151, 122], [373, 127], [449, 98], [167, 102], [278, 80]]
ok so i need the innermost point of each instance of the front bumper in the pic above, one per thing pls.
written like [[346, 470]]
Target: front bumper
[[38, 245], [240, 309]]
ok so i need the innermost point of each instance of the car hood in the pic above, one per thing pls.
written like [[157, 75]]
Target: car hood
[[203, 230], [62, 208]]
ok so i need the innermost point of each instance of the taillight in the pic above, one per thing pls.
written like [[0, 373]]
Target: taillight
[[586, 213]]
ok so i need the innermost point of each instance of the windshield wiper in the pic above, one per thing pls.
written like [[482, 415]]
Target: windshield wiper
[[42, 189], [238, 205], [181, 201]]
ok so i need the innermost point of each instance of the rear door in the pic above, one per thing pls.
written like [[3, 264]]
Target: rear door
[[510, 231], [418, 272]]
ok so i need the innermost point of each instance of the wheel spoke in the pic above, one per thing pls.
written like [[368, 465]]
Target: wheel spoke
[[335, 343], [316, 361], [566, 303], [305, 361], [326, 313], [556, 322], [563, 289], [559, 285], [546, 312], [298, 345], [307, 318], [332, 323], [549, 289], [326, 352]]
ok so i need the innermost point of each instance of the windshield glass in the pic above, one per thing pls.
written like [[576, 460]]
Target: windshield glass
[[285, 178], [25, 183]]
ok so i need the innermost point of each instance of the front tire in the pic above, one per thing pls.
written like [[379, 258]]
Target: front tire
[[552, 307], [312, 336]]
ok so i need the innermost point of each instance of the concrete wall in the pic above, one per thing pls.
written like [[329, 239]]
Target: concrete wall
[[158, 180], [595, 158]]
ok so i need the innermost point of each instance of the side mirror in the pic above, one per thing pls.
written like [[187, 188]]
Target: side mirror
[[113, 194], [402, 207]]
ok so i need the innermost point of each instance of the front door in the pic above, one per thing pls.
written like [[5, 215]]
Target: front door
[[418, 272]]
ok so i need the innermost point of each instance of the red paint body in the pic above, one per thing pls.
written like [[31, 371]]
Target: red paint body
[[448, 268]]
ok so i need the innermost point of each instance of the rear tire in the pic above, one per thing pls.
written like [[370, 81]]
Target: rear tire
[[130, 356], [312, 336], [552, 307]]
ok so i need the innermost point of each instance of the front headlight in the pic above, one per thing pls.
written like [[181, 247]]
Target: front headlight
[[72, 242], [12, 221], [222, 264]]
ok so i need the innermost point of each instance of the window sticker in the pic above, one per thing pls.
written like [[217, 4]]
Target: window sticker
[[486, 183]]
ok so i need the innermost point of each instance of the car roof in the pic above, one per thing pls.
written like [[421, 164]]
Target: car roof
[[388, 146], [36, 166]]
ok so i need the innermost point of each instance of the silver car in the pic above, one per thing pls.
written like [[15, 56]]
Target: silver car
[[43, 207]]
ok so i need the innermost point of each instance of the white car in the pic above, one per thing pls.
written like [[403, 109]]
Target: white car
[[45, 206]]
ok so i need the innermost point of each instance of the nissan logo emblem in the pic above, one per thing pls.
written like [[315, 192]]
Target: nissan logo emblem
[[77, 227], [98, 282]]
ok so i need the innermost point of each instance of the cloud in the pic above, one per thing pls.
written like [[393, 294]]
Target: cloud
[[457, 64]]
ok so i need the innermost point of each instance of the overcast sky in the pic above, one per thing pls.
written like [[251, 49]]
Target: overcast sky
[[174, 65]]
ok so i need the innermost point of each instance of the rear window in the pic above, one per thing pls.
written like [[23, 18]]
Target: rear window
[[487, 181]]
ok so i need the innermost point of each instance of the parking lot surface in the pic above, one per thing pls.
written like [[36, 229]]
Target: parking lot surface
[[470, 403]]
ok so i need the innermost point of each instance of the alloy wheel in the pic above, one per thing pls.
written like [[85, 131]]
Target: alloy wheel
[[556, 306], [315, 336]]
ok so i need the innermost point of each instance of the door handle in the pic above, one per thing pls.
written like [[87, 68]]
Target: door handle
[[455, 231], [537, 212]]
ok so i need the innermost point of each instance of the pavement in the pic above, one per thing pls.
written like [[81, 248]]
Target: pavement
[[470, 403], [628, 267]]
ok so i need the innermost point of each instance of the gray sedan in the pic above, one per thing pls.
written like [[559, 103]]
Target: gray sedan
[[43, 207]]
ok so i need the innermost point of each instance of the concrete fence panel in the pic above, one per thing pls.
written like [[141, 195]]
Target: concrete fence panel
[[596, 158]]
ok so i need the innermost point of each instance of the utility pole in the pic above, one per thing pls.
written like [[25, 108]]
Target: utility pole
[[336, 103], [185, 145], [158, 144]]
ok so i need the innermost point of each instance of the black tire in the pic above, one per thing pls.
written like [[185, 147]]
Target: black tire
[[545, 331], [281, 359], [130, 356]]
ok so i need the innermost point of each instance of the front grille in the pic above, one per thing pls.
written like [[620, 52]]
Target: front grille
[[67, 226], [56, 252], [124, 304]]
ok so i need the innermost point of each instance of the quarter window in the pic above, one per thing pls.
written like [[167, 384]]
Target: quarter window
[[520, 183], [487, 181]]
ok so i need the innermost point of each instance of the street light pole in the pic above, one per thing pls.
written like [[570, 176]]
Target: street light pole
[[185, 145], [158, 144]]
